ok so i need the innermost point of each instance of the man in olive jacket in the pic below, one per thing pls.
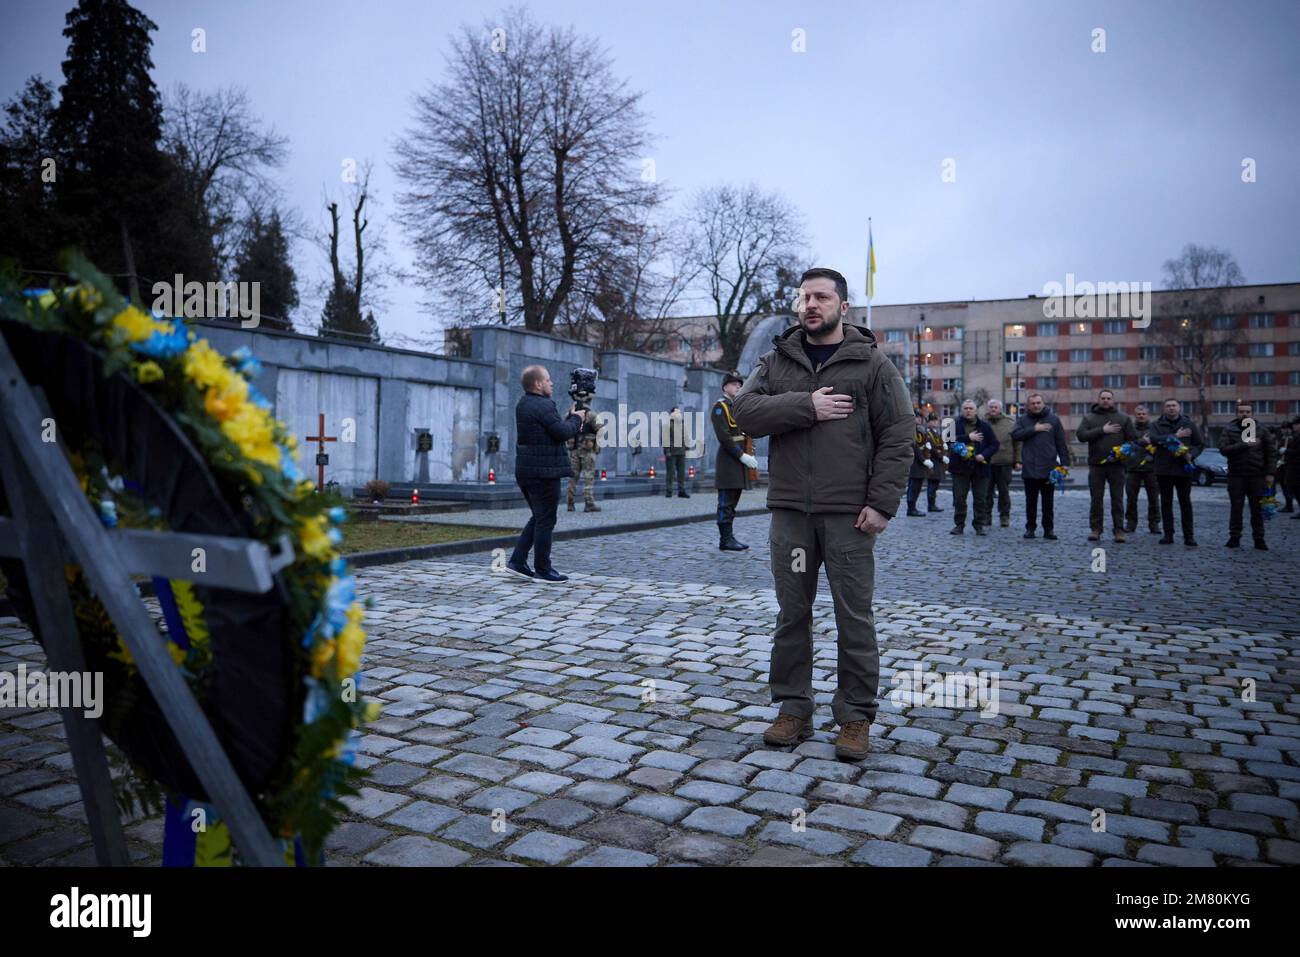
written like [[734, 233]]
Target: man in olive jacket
[[1103, 428], [1003, 463], [1171, 473], [841, 428], [1139, 475], [1248, 447]]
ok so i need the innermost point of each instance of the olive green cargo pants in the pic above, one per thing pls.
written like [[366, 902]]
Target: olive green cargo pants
[[800, 544]]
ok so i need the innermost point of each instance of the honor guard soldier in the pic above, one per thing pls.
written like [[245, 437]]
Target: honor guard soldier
[[732, 463]]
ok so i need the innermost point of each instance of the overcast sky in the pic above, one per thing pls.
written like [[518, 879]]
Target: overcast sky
[[1067, 160]]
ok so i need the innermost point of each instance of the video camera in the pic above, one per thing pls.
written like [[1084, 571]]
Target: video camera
[[582, 386]]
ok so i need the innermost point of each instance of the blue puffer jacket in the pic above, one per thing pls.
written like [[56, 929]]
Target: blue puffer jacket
[[540, 434]]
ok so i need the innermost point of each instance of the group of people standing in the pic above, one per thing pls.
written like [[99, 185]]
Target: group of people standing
[[1126, 457]]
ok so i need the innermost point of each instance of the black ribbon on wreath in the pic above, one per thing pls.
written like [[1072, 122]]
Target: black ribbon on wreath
[[250, 692]]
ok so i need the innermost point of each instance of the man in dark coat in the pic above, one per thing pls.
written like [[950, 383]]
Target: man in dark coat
[[1139, 475], [731, 463], [541, 462], [1248, 447], [841, 428], [1103, 428], [1042, 448], [972, 474], [1171, 473]]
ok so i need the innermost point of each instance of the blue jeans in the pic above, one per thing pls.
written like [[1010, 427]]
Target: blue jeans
[[543, 497]]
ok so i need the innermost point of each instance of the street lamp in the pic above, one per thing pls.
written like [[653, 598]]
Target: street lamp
[[919, 329]]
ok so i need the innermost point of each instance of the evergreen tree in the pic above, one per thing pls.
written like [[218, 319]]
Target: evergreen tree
[[120, 196], [29, 167], [264, 258]]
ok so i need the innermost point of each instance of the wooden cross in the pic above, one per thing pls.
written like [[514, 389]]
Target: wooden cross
[[320, 441]]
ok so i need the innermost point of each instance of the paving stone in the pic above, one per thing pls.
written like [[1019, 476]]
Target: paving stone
[[479, 831], [1029, 854], [1165, 856], [545, 848], [480, 766], [810, 839], [668, 760], [423, 816], [505, 799], [786, 781], [955, 842], [541, 781], [413, 851], [600, 793], [720, 820], [371, 802], [1009, 827], [616, 857], [661, 807], [1228, 843], [699, 849], [890, 854], [921, 809], [446, 787], [354, 837], [778, 855], [557, 813], [774, 803], [993, 799], [626, 830], [1086, 839], [710, 792], [855, 819], [901, 783]]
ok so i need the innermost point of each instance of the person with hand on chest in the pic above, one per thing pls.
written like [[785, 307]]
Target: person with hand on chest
[[973, 473], [1104, 428], [841, 432]]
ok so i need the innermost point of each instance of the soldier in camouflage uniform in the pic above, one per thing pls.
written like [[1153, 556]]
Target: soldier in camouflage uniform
[[582, 457]]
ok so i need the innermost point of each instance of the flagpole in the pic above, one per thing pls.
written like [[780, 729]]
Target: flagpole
[[868, 290]]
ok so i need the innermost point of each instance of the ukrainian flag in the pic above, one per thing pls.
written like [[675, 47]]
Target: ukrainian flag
[[871, 264]]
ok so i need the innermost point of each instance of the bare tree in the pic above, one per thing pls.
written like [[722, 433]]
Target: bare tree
[[746, 248], [520, 166], [1194, 332], [225, 155], [625, 301], [350, 301]]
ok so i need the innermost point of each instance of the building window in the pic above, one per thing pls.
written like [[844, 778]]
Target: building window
[[950, 332], [1183, 379], [952, 358], [1046, 355], [952, 385], [1115, 325], [1047, 382], [1295, 320], [1185, 352], [1080, 382], [1015, 332], [1221, 407], [1148, 382], [1080, 328], [1011, 383], [1259, 349], [947, 410], [1261, 320], [1294, 378], [1080, 355], [900, 362], [1047, 329], [1079, 408], [1113, 381], [1262, 405], [1293, 348], [895, 335], [1114, 355], [1149, 353], [1222, 322], [1225, 378], [1014, 357], [1261, 378]]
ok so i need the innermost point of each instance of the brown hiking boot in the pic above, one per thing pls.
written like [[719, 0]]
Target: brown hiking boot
[[853, 743], [1119, 536], [788, 729], [1094, 535]]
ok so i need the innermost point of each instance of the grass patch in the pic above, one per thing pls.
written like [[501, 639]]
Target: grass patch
[[378, 536]]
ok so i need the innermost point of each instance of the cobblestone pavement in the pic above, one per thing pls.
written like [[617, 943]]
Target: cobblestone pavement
[[1120, 737]]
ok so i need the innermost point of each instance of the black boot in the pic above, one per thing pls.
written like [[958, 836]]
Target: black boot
[[726, 541]]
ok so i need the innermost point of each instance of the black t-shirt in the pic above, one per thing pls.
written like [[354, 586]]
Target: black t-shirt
[[818, 354]]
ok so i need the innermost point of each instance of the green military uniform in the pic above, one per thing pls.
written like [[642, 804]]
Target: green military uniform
[[582, 458]]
